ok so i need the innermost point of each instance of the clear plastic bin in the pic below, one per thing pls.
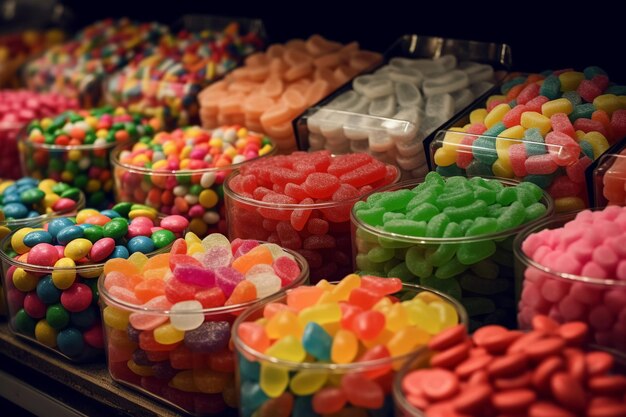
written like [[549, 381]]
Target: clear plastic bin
[[137, 361], [397, 137], [609, 180]]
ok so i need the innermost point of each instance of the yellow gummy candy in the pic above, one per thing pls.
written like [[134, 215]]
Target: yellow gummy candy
[[115, 318], [608, 102], [345, 347], [533, 119], [598, 142], [138, 259], [420, 314], [342, 290], [184, 381], [570, 80], [478, 116], [308, 382], [288, 348], [274, 380], [444, 157], [406, 340], [382, 339], [497, 114], [503, 168], [561, 105], [166, 334], [565, 204], [397, 318], [139, 369], [284, 323], [210, 382], [320, 314], [447, 314]]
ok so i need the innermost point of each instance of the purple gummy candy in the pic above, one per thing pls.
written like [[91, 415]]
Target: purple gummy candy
[[140, 357], [163, 370], [133, 334], [217, 256], [246, 247], [210, 337], [194, 275], [227, 279]]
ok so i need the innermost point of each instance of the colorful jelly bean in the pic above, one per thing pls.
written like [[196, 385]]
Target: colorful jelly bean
[[544, 128], [389, 112], [544, 372], [165, 80], [451, 234], [275, 86], [337, 345], [302, 202], [575, 269], [168, 321], [49, 270], [17, 108], [182, 172], [74, 147]]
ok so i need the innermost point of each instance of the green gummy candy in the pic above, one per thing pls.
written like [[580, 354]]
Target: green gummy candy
[[363, 234], [485, 194], [477, 306], [393, 243], [465, 225], [401, 271], [400, 253], [512, 216], [395, 200], [484, 286], [373, 198], [446, 286], [364, 264], [360, 205], [542, 181], [473, 252], [494, 210], [423, 212], [405, 227], [456, 181], [481, 226], [423, 196], [445, 251], [373, 216], [477, 209], [582, 111], [455, 199], [533, 188], [551, 87], [416, 262], [437, 225], [534, 211], [380, 254], [450, 269], [506, 196], [390, 264], [392, 216], [434, 178], [494, 185], [486, 269], [450, 170]]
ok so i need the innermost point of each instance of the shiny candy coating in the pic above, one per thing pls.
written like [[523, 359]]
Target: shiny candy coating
[[352, 323], [182, 172], [170, 316]]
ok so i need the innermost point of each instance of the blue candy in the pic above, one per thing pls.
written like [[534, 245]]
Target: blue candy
[[140, 244], [316, 341], [47, 291], [303, 407], [119, 252], [38, 236], [70, 342], [84, 319], [58, 224], [69, 233], [252, 397], [111, 214], [14, 210]]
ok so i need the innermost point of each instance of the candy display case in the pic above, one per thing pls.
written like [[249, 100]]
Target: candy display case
[[178, 351], [287, 379], [543, 128], [454, 243], [164, 81], [425, 81], [609, 178]]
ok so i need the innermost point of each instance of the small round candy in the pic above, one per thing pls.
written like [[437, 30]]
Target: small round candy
[[70, 342], [141, 244], [57, 316]]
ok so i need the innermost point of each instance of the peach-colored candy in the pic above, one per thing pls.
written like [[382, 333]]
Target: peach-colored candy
[[275, 86], [122, 265], [147, 321], [257, 256]]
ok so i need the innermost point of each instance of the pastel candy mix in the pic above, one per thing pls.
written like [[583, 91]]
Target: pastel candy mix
[[76, 67], [302, 202], [333, 331], [423, 92], [164, 82], [182, 172], [275, 86], [467, 227], [181, 352], [544, 128], [546, 371], [588, 247], [74, 147], [613, 182], [50, 271], [17, 108]]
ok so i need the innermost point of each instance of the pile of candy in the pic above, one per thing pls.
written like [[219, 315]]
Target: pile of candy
[[74, 147], [275, 86], [424, 92], [451, 234], [179, 349], [613, 183], [49, 271], [545, 128], [591, 251], [17, 108], [302, 202], [348, 324], [182, 172], [76, 67], [546, 372], [165, 82]]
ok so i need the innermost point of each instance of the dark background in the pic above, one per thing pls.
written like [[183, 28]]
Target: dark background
[[543, 35]]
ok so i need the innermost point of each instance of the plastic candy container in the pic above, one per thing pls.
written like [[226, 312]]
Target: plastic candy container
[[168, 321], [49, 270], [544, 128], [454, 235], [333, 349], [17, 108], [77, 67], [609, 180], [164, 82], [545, 372], [275, 86], [303, 202], [573, 268], [74, 147], [389, 112], [182, 172]]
